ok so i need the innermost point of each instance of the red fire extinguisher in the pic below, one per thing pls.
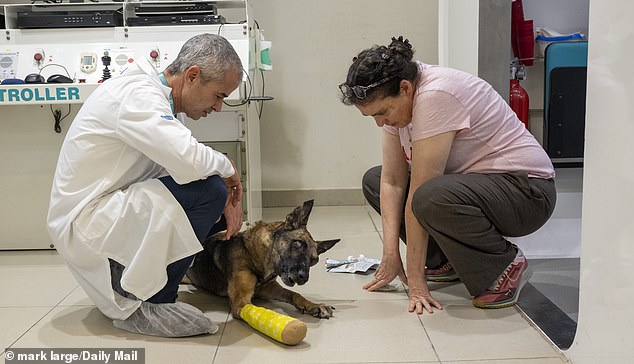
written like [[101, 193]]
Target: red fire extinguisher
[[518, 99]]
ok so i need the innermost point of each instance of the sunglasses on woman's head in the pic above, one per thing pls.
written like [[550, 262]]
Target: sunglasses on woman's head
[[361, 92]]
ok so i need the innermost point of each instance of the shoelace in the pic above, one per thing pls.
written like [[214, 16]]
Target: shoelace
[[500, 279]]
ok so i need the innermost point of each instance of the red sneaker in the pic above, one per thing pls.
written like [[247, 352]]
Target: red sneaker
[[444, 273], [506, 289]]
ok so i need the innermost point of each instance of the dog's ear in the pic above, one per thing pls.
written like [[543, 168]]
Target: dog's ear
[[299, 217], [324, 245]]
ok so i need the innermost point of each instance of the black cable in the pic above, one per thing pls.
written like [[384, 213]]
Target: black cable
[[57, 115], [261, 102], [257, 25], [59, 65], [248, 96], [225, 23]]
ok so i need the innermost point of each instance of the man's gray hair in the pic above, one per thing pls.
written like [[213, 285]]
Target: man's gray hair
[[212, 53]]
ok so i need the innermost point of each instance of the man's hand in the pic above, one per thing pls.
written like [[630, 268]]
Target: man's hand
[[233, 216], [233, 208], [234, 187]]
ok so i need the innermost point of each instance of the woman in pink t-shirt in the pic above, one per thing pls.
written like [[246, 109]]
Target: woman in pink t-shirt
[[460, 173]]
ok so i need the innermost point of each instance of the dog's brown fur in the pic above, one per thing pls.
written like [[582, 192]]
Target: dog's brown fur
[[248, 264]]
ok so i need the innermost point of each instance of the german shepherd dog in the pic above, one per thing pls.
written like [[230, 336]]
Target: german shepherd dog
[[248, 264]]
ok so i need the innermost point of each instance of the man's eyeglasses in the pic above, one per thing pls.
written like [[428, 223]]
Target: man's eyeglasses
[[361, 92]]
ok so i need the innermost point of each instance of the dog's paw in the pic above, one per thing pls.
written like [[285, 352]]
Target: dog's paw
[[320, 311]]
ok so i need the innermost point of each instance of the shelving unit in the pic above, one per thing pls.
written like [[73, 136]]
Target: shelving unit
[[24, 108], [59, 48]]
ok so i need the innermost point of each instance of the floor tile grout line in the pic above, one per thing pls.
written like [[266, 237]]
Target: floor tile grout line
[[42, 317], [376, 228], [541, 331], [68, 295], [27, 330], [52, 306], [501, 360], [545, 337], [433, 347], [32, 266], [40, 306], [377, 362], [222, 334]]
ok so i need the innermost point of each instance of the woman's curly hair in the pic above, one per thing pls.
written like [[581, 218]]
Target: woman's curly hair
[[380, 63]]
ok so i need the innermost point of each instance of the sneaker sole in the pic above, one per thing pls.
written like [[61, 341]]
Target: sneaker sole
[[511, 301], [449, 278]]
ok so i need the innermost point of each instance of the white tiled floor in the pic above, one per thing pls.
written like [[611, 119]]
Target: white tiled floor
[[42, 306]]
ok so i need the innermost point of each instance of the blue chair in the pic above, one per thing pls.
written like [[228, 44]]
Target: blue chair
[[565, 77]]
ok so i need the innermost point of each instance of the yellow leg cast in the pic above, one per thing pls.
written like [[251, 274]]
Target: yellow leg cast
[[282, 328]]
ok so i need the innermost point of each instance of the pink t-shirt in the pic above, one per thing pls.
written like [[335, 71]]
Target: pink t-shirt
[[490, 137]]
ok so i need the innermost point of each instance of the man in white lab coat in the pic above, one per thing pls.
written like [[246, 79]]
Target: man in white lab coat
[[133, 190]]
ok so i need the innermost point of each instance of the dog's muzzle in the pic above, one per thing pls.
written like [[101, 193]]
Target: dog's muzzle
[[294, 275]]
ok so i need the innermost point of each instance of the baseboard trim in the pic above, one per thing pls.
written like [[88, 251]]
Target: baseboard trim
[[339, 197]]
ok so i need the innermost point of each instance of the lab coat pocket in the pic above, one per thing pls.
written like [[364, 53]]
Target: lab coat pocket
[[97, 219]]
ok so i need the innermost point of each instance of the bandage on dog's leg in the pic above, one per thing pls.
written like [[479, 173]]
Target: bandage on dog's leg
[[285, 329]]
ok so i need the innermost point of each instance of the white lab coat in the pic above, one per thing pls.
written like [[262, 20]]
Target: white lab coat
[[106, 200]]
